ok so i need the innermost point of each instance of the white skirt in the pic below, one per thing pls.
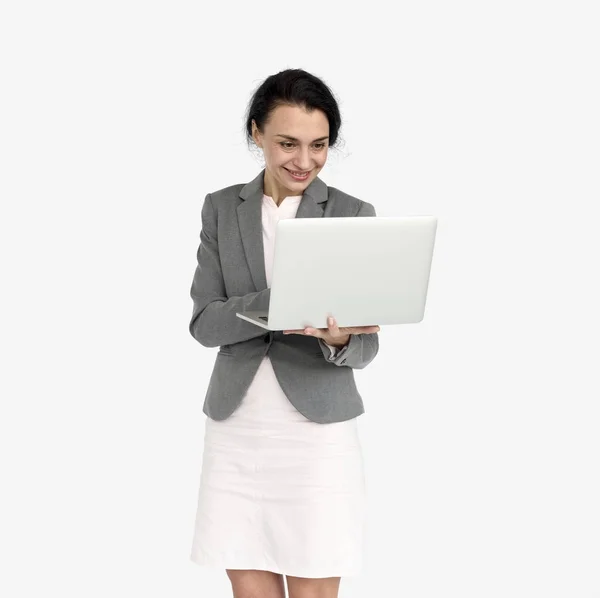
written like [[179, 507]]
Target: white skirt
[[279, 492]]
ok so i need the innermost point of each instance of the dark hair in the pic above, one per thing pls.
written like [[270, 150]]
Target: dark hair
[[293, 87]]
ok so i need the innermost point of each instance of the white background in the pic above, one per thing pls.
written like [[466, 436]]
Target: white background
[[481, 431]]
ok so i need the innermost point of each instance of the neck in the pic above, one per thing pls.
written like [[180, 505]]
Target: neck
[[273, 190]]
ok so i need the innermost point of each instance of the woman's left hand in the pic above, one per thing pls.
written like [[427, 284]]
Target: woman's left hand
[[334, 336]]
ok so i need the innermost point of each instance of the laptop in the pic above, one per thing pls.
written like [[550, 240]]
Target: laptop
[[364, 271]]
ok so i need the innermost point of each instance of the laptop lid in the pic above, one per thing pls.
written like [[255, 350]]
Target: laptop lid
[[362, 270]]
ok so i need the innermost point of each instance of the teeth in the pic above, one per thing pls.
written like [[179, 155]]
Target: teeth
[[298, 173]]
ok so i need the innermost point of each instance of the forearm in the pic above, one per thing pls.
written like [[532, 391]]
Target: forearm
[[214, 323], [358, 353]]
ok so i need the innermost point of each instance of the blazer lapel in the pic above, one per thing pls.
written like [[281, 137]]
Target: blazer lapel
[[249, 214]]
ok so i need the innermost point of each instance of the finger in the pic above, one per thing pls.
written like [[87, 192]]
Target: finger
[[332, 326], [368, 329], [317, 332], [363, 330]]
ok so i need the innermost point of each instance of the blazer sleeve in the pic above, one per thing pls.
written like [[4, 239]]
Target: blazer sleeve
[[214, 322], [361, 348]]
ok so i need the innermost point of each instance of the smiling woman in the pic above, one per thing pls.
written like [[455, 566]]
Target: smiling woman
[[282, 489], [293, 163], [294, 119]]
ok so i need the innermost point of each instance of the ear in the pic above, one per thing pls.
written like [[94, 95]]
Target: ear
[[256, 134]]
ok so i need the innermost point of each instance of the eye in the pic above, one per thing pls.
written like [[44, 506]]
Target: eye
[[289, 144]]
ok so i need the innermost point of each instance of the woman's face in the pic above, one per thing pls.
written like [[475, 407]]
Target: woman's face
[[293, 140]]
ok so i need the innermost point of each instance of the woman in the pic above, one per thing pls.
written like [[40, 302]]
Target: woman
[[282, 488]]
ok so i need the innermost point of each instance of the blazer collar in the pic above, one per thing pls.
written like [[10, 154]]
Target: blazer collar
[[317, 190], [249, 214]]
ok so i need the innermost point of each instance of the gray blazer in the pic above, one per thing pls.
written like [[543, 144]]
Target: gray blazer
[[230, 277]]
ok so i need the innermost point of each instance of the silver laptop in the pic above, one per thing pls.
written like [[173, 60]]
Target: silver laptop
[[364, 271]]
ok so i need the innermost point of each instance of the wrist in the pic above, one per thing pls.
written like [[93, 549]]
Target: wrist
[[340, 343]]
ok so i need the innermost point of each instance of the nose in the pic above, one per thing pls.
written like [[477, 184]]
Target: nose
[[302, 161]]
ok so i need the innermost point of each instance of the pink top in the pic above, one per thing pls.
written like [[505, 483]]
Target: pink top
[[271, 215], [265, 383]]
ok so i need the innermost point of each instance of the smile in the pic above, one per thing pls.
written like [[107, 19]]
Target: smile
[[298, 176]]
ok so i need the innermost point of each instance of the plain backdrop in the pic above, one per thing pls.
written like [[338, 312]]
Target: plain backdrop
[[481, 432]]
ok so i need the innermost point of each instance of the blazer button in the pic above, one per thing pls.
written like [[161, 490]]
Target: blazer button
[[267, 338]]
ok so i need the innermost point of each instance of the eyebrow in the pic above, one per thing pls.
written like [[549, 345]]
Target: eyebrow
[[294, 139]]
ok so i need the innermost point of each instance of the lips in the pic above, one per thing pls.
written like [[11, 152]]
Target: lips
[[301, 177]]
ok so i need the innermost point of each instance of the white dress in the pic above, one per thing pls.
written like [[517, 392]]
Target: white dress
[[279, 492]]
